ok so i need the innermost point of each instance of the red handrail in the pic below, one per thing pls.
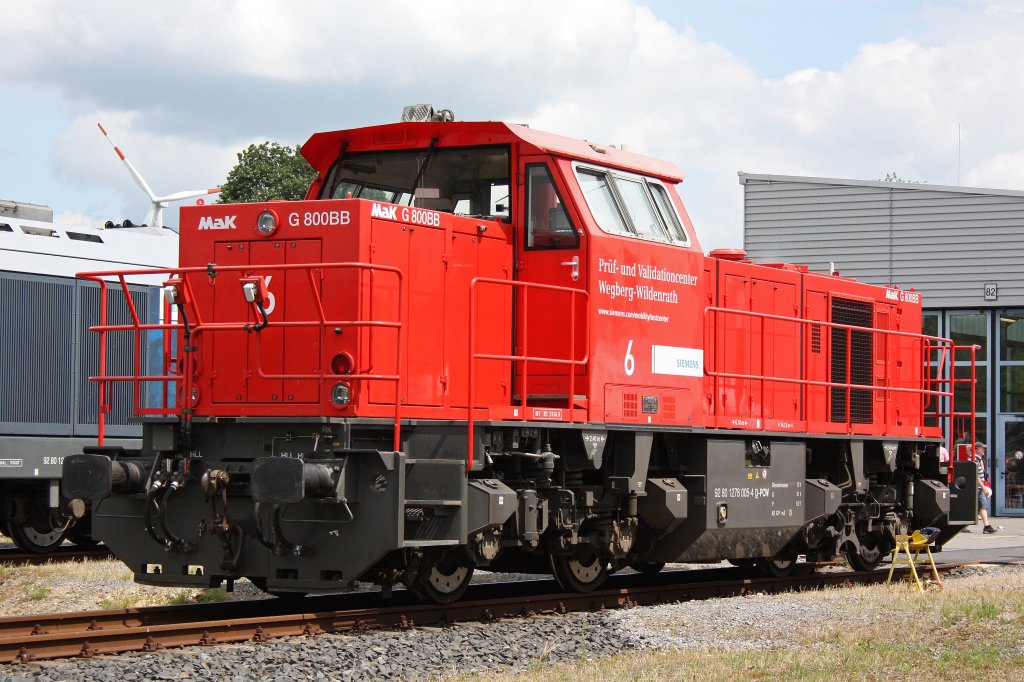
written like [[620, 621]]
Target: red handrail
[[931, 386], [186, 364], [524, 357]]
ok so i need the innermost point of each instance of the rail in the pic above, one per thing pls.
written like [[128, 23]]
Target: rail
[[190, 328], [524, 357], [85, 634], [940, 387]]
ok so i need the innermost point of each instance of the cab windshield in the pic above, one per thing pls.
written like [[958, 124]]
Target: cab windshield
[[464, 180]]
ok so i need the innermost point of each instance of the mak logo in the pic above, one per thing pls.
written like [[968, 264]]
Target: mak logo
[[225, 223], [382, 211]]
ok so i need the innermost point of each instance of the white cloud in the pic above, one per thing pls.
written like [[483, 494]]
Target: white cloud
[[71, 218], [1005, 171]]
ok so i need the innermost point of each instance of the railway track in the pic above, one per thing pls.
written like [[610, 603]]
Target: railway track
[[89, 633], [15, 557]]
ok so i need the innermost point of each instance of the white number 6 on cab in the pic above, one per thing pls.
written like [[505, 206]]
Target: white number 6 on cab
[[629, 364], [271, 301]]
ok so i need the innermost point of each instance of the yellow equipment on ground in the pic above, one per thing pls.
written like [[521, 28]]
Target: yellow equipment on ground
[[918, 541]]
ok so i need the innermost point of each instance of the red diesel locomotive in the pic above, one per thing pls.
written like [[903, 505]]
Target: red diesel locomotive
[[482, 345]]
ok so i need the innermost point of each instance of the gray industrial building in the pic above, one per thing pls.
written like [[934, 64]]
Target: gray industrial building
[[961, 247]]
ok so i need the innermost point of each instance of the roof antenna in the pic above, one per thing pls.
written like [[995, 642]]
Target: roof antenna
[[155, 216], [958, 153]]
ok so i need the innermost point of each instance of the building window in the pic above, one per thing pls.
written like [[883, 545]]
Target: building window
[[1011, 336], [968, 329], [1011, 361], [971, 328]]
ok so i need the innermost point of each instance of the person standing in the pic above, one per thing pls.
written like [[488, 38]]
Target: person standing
[[984, 488]]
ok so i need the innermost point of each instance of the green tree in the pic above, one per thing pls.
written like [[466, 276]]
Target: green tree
[[892, 177], [266, 172]]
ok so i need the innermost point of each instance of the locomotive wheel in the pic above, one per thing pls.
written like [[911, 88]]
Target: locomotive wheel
[[82, 539], [35, 540], [81, 533], [777, 566], [444, 578], [648, 567], [868, 555], [581, 571]]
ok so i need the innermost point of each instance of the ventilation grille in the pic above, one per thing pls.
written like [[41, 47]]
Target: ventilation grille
[[668, 408], [629, 405], [37, 354], [47, 355], [856, 347], [816, 338]]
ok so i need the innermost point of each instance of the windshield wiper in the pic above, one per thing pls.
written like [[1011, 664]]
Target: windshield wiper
[[423, 167]]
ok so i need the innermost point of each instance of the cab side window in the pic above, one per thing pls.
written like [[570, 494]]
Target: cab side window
[[547, 222], [630, 205]]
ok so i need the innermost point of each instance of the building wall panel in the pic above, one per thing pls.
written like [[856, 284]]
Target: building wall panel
[[946, 242]]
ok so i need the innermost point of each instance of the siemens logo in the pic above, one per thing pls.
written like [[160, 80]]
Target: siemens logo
[[685, 362]]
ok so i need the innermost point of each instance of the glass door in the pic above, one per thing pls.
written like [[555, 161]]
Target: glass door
[[1008, 463]]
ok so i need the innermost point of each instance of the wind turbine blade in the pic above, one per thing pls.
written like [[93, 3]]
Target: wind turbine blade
[[188, 194], [139, 180]]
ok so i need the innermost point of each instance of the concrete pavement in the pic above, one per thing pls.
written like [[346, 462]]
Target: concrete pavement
[[1006, 545]]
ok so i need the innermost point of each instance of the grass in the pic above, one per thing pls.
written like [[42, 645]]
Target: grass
[[121, 600], [971, 630], [37, 592], [89, 584], [179, 598], [961, 612], [206, 596], [212, 594]]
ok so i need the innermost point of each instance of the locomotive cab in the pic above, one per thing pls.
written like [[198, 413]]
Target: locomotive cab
[[482, 345]]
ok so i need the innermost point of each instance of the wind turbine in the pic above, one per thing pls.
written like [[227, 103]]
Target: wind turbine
[[155, 216]]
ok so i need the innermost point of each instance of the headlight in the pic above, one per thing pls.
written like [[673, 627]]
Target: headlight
[[341, 394], [266, 223]]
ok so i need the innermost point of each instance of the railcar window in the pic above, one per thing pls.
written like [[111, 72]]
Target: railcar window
[[39, 231], [598, 192], [547, 223], [84, 237], [668, 212], [471, 180]]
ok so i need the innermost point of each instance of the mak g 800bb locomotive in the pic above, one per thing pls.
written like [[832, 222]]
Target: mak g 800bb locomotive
[[481, 345]]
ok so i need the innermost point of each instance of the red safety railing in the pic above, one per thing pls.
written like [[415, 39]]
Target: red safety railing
[[524, 358], [937, 387], [964, 423], [181, 365]]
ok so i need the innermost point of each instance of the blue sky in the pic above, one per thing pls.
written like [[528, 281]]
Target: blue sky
[[777, 37], [827, 88]]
